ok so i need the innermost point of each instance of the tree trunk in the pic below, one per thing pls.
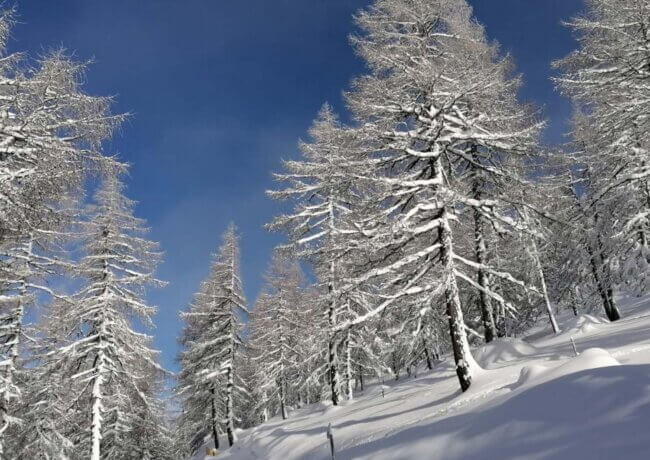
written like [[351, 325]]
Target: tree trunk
[[332, 354], [542, 282], [348, 366], [214, 421], [427, 354], [485, 302], [460, 345], [283, 402], [612, 314], [230, 418], [97, 407], [613, 308]]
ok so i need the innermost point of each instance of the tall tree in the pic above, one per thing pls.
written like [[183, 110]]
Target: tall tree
[[50, 135], [101, 354], [608, 78], [439, 104], [324, 188], [211, 341], [280, 334]]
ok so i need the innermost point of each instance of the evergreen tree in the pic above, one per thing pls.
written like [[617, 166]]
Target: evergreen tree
[[280, 335]]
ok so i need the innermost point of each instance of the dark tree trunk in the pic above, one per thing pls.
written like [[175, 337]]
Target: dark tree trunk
[[606, 293], [485, 302], [215, 432], [427, 354], [283, 397], [332, 355]]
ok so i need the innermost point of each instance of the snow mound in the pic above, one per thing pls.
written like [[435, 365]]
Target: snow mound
[[582, 324], [530, 374], [503, 350], [592, 358]]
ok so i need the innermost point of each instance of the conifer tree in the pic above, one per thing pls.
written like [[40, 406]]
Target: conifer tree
[[608, 78], [439, 105], [105, 361], [325, 190], [280, 334], [211, 341]]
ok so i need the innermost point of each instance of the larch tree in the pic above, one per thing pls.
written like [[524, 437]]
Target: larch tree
[[608, 78], [49, 136], [101, 354], [325, 190], [211, 341], [440, 103], [279, 334]]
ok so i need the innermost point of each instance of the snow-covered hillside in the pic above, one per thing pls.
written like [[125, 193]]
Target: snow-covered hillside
[[534, 399]]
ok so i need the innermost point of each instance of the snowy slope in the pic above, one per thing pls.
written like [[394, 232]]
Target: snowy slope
[[534, 400]]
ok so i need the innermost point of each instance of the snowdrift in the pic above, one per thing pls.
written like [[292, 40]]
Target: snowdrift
[[590, 359], [502, 350]]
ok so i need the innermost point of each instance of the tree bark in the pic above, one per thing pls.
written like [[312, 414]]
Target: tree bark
[[348, 366], [485, 302], [427, 354], [230, 423], [283, 402], [460, 345], [332, 345], [214, 421]]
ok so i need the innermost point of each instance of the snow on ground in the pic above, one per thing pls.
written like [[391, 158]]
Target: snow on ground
[[534, 400]]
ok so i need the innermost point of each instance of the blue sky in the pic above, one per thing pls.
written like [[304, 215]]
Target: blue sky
[[221, 91]]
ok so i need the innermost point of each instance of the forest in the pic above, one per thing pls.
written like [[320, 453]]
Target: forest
[[434, 222]]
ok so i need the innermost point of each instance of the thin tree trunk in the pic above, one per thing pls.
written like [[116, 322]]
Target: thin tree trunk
[[332, 354], [614, 313], [283, 396], [605, 292], [542, 282], [214, 421], [348, 365], [485, 302], [97, 406], [575, 299], [427, 354], [230, 423]]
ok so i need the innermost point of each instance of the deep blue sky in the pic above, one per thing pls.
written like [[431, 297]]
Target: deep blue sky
[[221, 90]]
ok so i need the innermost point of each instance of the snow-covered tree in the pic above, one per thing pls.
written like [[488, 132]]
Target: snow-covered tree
[[211, 341], [608, 78], [281, 330], [325, 189], [49, 135], [439, 104], [103, 362]]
